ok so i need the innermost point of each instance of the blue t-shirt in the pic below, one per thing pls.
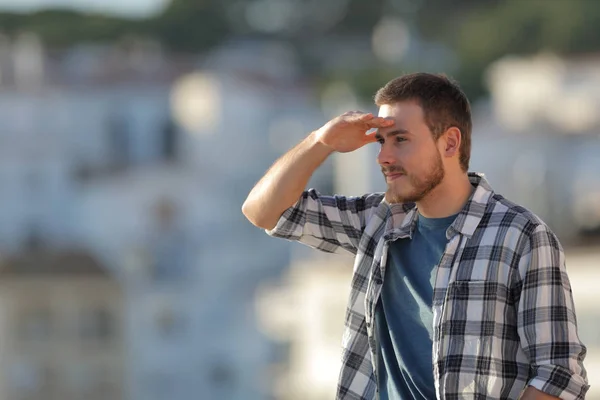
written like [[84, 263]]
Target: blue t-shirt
[[404, 317]]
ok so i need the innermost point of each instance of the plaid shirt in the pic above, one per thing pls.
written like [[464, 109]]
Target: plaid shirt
[[503, 311]]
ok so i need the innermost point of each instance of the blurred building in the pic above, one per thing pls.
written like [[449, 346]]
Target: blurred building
[[142, 159], [303, 314], [582, 265], [546, 91], [538, 139], [71, 116], [62, 328]]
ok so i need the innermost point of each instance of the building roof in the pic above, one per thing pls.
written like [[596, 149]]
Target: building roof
[[63, 263]]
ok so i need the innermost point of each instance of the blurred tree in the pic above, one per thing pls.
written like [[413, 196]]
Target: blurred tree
[[481, 31], [187, 25], [59, 28], [10, 22], [184, 25], [478, 31], [361, 16]]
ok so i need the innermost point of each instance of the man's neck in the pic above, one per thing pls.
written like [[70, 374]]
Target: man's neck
[[448, 198]]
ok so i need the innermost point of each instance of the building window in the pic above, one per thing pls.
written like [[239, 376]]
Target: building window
[[160, 385], [223, 380], [119, 140], [168, 244], [169, 140], [48, 381], [33, 381], [34, 240], [93, 382], [169, 323], [97, 324], [280, 352], [35, 325]]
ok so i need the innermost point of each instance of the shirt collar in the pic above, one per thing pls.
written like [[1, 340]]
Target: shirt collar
[[472, 212], [403, 216]]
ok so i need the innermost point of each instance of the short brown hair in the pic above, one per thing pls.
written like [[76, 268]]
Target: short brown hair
[[443, 102]]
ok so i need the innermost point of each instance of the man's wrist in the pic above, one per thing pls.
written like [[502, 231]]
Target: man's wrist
[[532, 393], [316, 144]]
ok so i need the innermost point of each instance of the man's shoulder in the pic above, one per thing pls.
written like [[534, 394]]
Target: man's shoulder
[[509, 214]]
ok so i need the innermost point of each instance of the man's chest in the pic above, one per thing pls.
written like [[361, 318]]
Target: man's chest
[[471, 283]]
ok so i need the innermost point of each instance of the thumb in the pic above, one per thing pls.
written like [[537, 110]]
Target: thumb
[[370, 137]]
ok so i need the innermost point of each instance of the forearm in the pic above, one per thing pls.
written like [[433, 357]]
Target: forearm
[[532, 393], [284, 182]]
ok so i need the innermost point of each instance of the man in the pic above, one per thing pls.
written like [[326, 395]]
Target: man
[[457, 293]]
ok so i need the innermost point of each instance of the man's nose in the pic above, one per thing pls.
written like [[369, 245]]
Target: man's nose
[[386, 156]]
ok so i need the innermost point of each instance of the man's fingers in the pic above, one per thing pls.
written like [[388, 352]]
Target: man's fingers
[[356, 116], [370, 137], [367, 120], [380, 122]]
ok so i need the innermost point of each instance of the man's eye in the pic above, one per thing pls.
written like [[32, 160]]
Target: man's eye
[[400, 139], [380, 141]]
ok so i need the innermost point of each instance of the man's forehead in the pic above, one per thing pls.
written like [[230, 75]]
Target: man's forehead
[[403, 110], [385, 111]]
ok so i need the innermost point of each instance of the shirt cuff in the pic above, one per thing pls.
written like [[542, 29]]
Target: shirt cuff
[[285, 228], [560, 382]]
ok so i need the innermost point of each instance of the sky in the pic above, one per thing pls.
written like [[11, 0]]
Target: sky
[[130, 8]]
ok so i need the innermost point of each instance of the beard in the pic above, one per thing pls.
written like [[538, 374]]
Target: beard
[[418, 186]]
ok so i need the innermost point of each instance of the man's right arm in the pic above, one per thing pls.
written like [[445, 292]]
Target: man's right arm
[[283, 184], [325, 222], [285, 181]]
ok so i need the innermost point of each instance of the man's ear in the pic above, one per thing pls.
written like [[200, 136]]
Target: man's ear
[[452, 142]]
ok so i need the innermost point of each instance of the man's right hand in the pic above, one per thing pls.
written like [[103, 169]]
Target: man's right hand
[[283, 184], [348, 132]]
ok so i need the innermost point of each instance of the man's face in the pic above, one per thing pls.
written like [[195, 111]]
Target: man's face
[[409, 157]]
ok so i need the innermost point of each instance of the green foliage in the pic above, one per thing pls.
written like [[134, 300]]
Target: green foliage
[[11, 22], [189, 25], [483, 31], [360, 17], [478, 31], [183, 26], [59, 28]]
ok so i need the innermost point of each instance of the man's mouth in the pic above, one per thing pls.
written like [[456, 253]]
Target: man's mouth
[[392, 176]]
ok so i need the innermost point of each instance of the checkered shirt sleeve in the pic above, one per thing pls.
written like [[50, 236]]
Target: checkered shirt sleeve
[[327, 223], [547, 325]]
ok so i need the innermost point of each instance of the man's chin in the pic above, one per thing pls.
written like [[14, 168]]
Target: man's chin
[[394, 198]]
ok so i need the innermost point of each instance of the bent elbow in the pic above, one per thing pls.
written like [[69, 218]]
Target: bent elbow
[[256, 218], [247, 211]]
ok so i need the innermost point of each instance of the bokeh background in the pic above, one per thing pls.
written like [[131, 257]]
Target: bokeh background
[[132, 130]]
